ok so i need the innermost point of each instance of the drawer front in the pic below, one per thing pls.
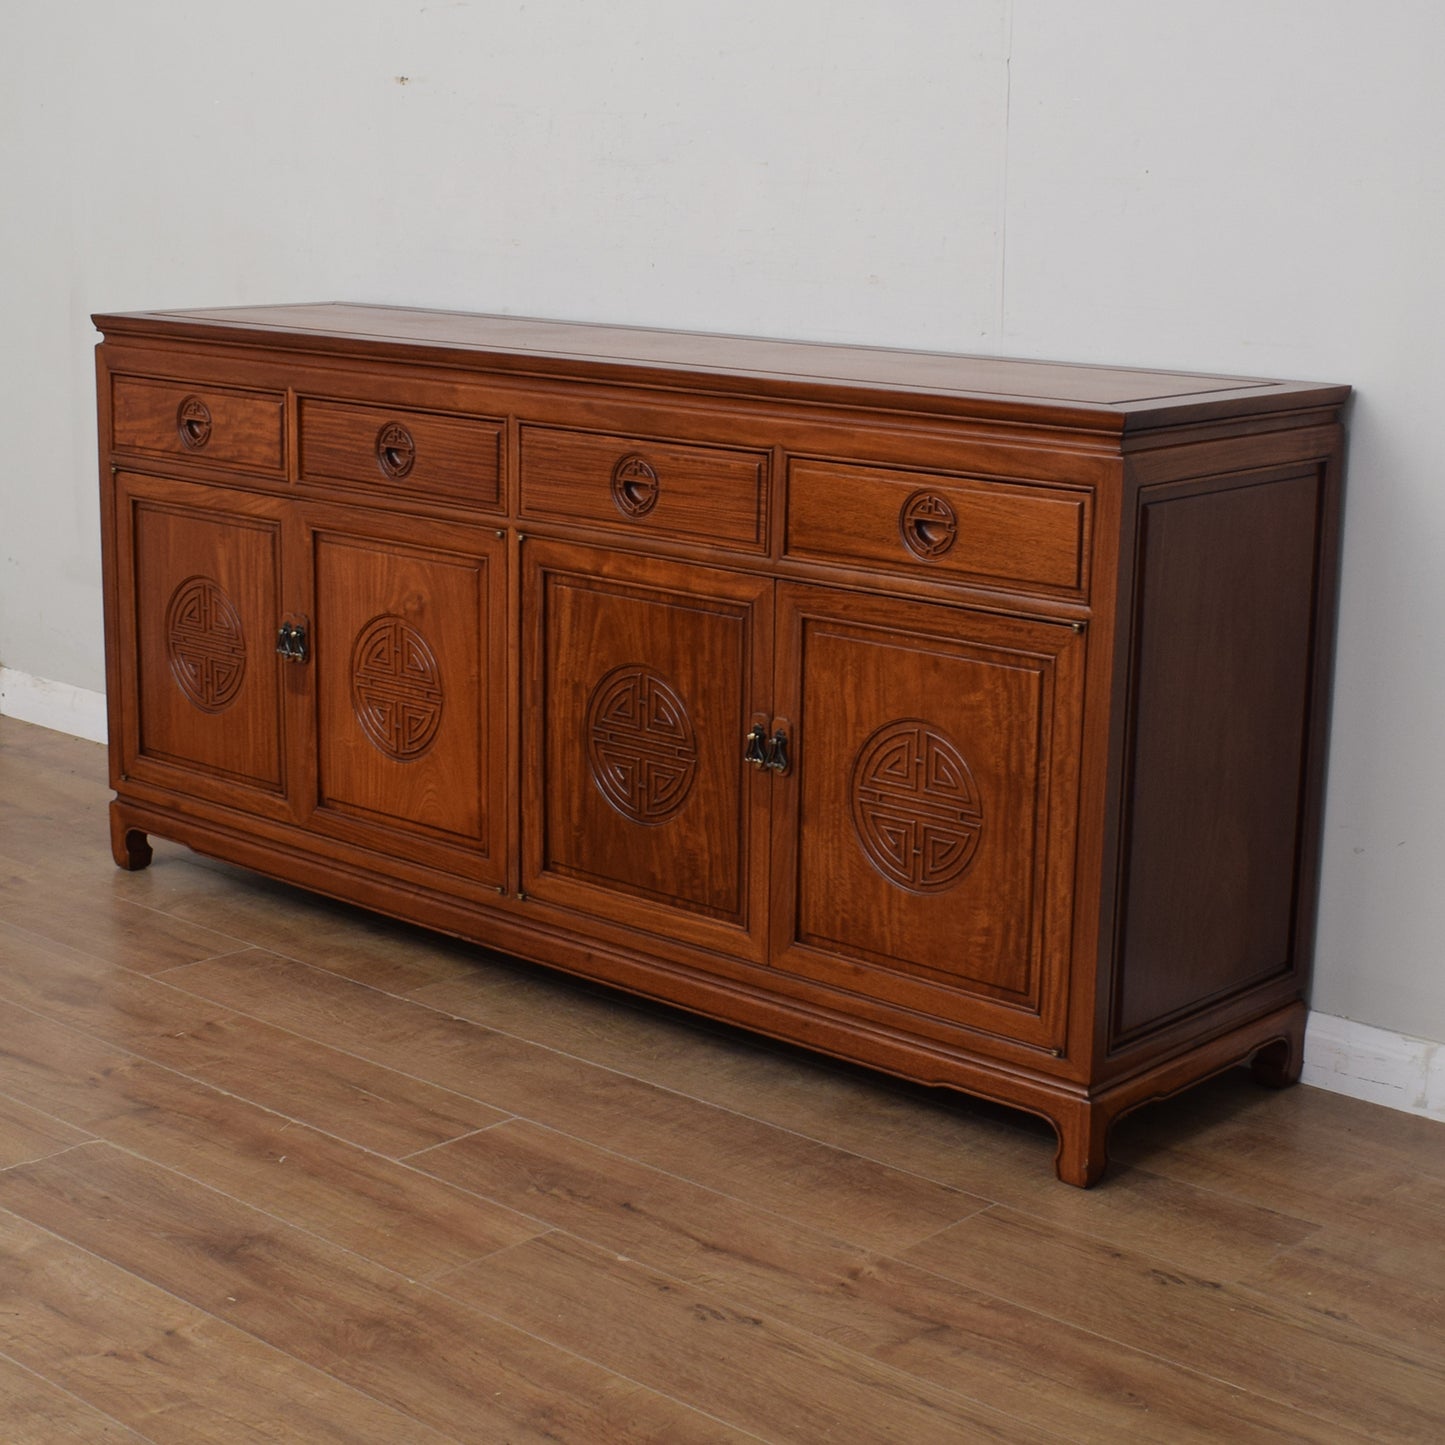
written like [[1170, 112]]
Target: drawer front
[[990, 533], [181, 419], [659, 488], [398, 452]]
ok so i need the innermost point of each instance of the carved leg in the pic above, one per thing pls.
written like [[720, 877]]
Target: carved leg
[[1277, 1065], [129, 846], [1083, 1131]]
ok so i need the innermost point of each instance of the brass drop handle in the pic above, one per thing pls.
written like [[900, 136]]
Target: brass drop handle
[[776, 748], [291, 641], [755, 746]]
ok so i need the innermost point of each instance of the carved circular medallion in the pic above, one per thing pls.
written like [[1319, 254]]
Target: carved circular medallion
[[395, 450], [640, 745], [916, 807], [396, 688], [928, 524], [635, 487], [193, 422], [204, 642]]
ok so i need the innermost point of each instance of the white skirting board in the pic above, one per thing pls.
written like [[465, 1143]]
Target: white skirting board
[[1340, 1055], [1375, 1064], [56, 705]]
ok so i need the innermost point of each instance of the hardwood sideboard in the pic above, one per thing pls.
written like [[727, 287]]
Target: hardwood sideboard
[[962, 718]]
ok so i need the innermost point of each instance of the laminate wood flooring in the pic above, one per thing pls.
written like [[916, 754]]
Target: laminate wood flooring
[[276, 1169]]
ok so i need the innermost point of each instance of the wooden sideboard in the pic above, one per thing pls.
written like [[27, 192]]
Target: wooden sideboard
[[962, 718]]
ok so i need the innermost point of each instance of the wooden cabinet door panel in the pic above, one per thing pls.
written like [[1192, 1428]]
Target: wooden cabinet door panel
[[925, 834], [641, 676], [201, 601], [410, 678]]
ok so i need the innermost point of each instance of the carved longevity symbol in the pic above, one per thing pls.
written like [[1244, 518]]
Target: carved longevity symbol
[[635, 487], [640, 745], [203, 638], [916, 806], [193, 421], [396, 688], [929, 524]]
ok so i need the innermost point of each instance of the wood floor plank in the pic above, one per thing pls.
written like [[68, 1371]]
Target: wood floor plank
[[383, 1210], [1308, 1124], [422, 1353], [867, 1203], [985, 1151], [171, 1371], [1049, 1375], [377, 951], [377, 1108], [27, 1133], [1323, 1368], [1257, 1265], [1383, 1272], [690, 1344], [35, 1412], [112, 927]]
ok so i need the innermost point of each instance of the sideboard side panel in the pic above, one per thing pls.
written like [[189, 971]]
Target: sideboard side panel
[[1226, 612]]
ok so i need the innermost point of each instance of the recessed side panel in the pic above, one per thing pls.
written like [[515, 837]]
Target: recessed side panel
[[1219, 709]]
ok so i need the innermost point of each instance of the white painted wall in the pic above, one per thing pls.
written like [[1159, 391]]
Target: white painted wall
[[1247, 185]]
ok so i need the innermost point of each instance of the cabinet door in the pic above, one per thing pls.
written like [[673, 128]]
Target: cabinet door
[[640, 680], [925, 836], [408, 652], [198, 602]]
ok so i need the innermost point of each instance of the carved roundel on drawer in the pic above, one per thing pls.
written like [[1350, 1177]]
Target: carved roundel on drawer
[[640, 745], [635, 487], [396, 688], [193, 422], [916, 807], [928, 524], [395, 450], [204, 641]]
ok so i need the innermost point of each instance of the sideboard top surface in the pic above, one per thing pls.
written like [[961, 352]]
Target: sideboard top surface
[[1094, 397]]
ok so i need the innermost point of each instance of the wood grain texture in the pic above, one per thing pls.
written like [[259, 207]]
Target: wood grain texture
[[27, 1133], [1218, 738], [455, 1369], [445, 458], [760, 1377], [988, 1152], [976, 1344], [174, 1372], [983, 531], [1084, 394], [376, 1207], [1306, 1361], [797, 1177], [531, 733], [101, 923], [715, 1226], [335, 1092], [39, 1413], [232, 428], [645, 485]]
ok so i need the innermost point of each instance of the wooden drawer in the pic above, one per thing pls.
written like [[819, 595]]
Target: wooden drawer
[[243, 429], [992, 533], [400, 452], [662, 488]]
